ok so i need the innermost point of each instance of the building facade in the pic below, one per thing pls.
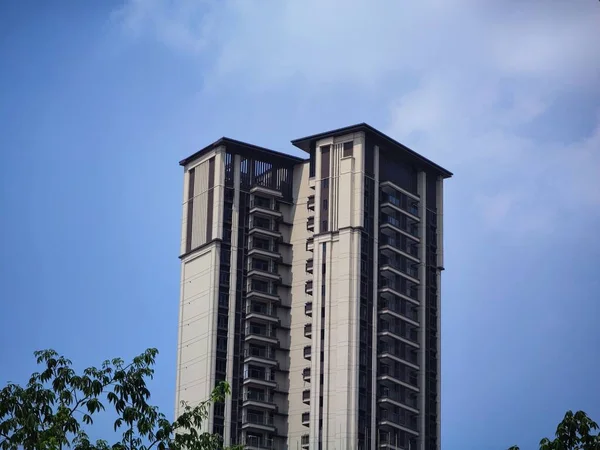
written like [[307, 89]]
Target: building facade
[[312, 286]]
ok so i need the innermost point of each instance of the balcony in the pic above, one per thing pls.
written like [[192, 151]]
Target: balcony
[[264, 312], [258, 267], [400, 309], [307, 352], [264, 226], [260, 377], [306, 396], [401, 203], [258, 443], [308, 287], [401, 225], [258, 421], [308, 330], [305, 441], [260, 355], [401, 396], [310, 203], [310, 245], [406, 420], [406, 332], [264, 289], [403, 376], [306, 419], [265, 206], [308, 309], [402, 245], [403, 287], [400, 266], [389, 353], [259, 399], [309, 266], [306, 374], [261, 333], [310, 224], [261, 246]]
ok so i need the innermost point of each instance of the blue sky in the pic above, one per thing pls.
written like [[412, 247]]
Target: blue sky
[[100, 100]]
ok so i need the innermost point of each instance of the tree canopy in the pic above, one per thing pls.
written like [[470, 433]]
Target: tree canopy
[[57, 406], [576, 432]]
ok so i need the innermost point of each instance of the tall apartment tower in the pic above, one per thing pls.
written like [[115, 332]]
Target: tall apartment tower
[[312, 286]]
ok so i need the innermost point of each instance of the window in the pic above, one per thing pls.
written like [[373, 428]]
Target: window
[[325, 204], [325, 183], [222, 343], [348, 149], [222, 321], [221, 365], [324, 226], [260, 264]]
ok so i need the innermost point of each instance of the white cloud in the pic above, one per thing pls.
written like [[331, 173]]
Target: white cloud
[[486, 70]]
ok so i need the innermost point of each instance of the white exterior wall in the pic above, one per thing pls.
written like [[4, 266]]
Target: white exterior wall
[[198, 306], [298, 341], [342, 282]]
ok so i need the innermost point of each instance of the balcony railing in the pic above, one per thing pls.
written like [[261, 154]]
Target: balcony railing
[[257, 419], [264, 204], [409, 377], [406, 204], [403, 265], [399, 286], [400, 244], [310, 245], [308, 309], [265, 353], [310, 203], [262, 309], [306, 396], [402, 395], [305, 418], [309, 266], [306, 374], [310, 224], [264, 224], [404, 331], [264, 288], [400, 351], [270, 267], [307, 352], [400, 307], [305, 440], [308, 287], [257, 442], [259, 396], [253, 374], [407, 420], [403, 225], [308, 330], [255, 330], [268, 245]]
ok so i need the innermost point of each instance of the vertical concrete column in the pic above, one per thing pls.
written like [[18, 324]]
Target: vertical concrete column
[[440, 267], [373, 425], [422, 190], [232, 294]]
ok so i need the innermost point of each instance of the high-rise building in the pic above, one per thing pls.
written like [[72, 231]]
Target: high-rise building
[[312, 286]]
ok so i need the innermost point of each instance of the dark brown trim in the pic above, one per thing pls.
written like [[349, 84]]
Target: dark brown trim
[[190, 210], [305, 143], [241, 146], [210, 198], [200, 247]]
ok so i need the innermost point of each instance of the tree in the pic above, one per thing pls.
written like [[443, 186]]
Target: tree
[[50, 411], [575, 432]]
